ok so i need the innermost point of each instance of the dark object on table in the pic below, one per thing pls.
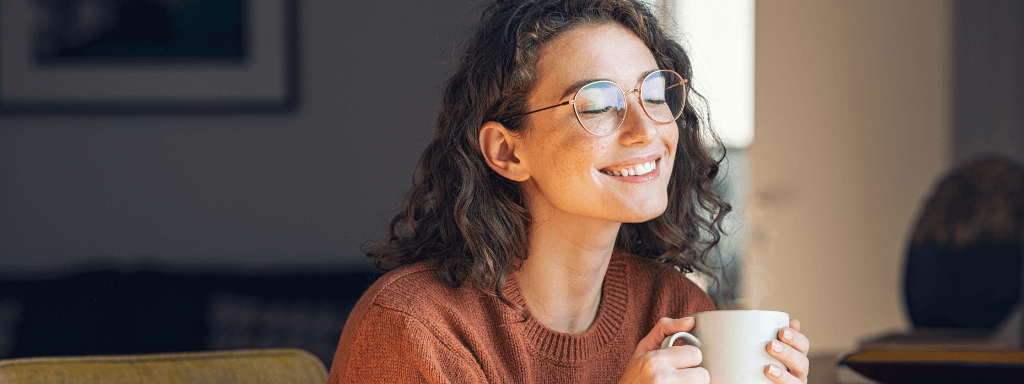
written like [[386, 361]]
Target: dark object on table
[[963, 266], [106, 312]]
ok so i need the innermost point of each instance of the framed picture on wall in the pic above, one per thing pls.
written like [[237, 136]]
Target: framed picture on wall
[[148, 56]]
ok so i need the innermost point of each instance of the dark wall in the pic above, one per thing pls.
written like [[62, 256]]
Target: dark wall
[[298, 190], [988, 80]]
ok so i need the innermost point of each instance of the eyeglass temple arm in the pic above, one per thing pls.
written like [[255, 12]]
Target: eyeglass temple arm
[[542, 109], [677, 84]]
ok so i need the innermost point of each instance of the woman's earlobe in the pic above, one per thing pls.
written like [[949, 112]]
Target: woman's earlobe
[[498, 145]]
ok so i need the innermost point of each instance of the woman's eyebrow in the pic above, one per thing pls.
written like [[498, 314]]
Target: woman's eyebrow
[[575, 87], [640, 80]]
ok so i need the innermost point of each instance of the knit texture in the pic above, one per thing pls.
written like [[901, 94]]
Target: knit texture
[[411, 328]]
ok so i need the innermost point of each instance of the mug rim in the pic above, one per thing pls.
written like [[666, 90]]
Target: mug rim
[[741, 310]]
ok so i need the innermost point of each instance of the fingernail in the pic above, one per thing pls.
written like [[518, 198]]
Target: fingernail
[[776, 346], [787, 334], [774, 370]]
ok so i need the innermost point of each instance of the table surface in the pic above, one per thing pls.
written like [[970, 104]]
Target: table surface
[[823, 370]]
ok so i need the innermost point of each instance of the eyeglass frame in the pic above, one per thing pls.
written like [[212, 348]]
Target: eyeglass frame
[[625, 96]]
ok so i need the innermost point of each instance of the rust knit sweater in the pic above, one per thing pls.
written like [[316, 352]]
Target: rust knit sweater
[[411, 328]]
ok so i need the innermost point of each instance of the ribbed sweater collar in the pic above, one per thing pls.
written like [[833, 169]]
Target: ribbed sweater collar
[[572, 349]]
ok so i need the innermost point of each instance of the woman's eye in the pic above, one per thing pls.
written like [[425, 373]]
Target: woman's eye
[[597, 111], [654, 100]]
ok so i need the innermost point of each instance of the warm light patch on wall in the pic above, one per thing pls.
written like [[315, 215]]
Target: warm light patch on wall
[[719, 36]]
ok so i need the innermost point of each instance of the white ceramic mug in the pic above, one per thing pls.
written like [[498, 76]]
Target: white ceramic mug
[[734, 343]]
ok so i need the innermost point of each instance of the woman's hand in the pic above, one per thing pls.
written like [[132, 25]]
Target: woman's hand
[[791, 349], [678, 364]]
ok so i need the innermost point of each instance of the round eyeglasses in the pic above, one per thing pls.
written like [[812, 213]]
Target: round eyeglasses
[[601, 106]]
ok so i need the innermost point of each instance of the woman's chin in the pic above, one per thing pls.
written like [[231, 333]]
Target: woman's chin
[[642, 215]]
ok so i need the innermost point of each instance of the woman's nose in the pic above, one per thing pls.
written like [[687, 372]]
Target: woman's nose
[[637, 127]]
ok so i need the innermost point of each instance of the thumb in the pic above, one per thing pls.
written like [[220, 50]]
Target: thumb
[[662, 329]]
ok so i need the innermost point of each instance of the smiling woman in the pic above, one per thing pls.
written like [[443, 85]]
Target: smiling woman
[[566, 191], [564, 170]]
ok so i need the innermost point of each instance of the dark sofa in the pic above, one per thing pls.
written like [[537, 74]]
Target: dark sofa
[[110, 312]]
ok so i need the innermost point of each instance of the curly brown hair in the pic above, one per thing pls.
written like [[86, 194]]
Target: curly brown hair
[[471, 222]]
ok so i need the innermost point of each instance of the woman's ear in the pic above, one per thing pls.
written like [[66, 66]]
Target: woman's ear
[[498, 146]]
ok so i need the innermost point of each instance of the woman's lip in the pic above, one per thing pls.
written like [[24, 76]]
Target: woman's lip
[[632, 161], [647, 177]]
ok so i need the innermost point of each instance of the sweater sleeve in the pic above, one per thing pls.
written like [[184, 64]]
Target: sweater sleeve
[[388, 346]]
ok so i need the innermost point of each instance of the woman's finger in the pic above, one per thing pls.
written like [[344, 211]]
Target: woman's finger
[[663, 328], [797, 362], [678, 357], [672, 364], [794, 338], [696, 375], [779, 375]]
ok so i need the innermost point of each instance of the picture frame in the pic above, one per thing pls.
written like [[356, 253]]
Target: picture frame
[[263, 79]]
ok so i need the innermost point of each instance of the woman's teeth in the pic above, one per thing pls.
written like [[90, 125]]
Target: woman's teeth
[[636, 170]]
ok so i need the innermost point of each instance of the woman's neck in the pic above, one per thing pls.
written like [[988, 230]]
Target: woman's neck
[[563, 274]]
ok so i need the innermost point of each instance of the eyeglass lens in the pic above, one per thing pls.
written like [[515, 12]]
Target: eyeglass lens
[[601, 106]]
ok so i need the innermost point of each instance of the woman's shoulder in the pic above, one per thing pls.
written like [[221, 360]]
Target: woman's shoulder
[[417, 313], [663, 282], [657, 271], [412, 288], [414, 294]]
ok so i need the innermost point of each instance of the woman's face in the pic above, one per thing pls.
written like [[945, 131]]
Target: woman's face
[[572, 171]]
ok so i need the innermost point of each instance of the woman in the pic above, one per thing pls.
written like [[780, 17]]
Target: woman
[[565, 191]]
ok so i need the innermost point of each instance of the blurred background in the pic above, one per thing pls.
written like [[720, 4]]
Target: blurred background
[[289, 139]]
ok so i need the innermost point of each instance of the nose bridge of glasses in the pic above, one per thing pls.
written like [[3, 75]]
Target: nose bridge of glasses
[[641, 119], [639, 99], [637, 90], [639, 102]]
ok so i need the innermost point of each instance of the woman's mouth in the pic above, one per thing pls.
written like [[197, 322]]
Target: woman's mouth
[[632, 170]]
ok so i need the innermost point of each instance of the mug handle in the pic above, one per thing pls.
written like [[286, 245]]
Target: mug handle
[[687, 338]]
